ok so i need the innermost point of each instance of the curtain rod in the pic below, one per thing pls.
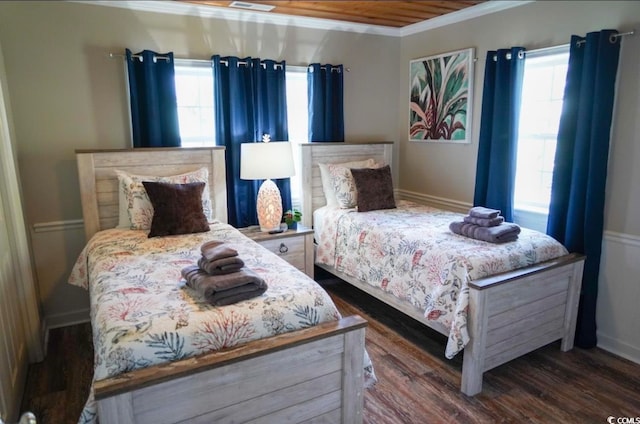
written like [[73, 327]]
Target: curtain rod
[[137, 56], [208, 61], [240, 62], [612, 39]]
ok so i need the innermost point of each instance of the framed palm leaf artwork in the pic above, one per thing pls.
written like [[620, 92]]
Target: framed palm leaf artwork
[[441, 97]]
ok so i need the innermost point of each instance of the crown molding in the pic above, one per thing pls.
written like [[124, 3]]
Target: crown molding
[[190, 9], [476, 11]]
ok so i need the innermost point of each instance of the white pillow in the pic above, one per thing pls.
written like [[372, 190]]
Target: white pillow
[[123, 210], [327, 180], [139, 209]]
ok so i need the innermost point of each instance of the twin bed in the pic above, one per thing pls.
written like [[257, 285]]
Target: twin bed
[[495, 301], [164, 355]]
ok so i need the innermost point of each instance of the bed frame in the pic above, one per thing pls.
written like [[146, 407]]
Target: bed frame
[[510, 314], [264, 381]]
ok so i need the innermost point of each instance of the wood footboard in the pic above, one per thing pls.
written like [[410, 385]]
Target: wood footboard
[[309, 375], [514, 313]]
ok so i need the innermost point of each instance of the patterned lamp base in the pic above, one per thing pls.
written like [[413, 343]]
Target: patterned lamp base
[[269, 206]]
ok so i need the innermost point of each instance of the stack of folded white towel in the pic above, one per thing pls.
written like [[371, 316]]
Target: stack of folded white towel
[[486, 224]]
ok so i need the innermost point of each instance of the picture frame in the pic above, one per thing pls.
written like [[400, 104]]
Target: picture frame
[[441, 97]]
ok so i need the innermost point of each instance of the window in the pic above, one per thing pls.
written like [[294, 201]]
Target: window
[[542, 93], [194, 92], [298, 121]]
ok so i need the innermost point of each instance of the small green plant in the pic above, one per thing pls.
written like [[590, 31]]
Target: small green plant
[[292, 216]]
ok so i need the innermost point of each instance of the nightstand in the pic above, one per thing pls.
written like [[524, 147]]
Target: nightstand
[[294, 246]]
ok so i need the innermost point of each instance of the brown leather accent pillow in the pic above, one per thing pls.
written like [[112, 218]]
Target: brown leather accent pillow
[[375, 188], [177, 208]]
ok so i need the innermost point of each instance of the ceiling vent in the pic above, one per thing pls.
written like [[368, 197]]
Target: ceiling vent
[[251, 6]]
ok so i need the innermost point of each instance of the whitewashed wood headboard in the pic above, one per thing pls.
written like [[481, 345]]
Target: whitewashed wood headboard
[[99, 184], [311, 154]]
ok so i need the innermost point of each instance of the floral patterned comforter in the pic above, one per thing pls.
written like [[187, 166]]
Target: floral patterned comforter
[[411, 253], [142, 313]]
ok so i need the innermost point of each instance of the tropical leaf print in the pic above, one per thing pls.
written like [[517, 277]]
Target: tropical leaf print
[[171, 345], [89, 414], [408, 246], [531, 257], [308, 315], [439, 97]]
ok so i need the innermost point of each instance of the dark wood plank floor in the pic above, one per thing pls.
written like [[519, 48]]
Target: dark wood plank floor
[[57, 388], [416, 383]]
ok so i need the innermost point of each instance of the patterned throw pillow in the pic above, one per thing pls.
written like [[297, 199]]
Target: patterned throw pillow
[[327, 181], [344, 186], [139, 207]]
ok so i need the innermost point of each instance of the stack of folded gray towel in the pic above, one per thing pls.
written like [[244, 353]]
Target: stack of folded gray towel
[[221, 276], [486, 224]]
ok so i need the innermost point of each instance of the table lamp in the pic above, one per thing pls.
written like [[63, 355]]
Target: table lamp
[[267, 160]]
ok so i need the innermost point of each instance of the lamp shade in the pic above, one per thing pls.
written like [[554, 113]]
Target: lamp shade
[[261, 161]]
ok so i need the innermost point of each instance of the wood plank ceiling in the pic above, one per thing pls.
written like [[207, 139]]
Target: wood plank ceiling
[[394, 14]]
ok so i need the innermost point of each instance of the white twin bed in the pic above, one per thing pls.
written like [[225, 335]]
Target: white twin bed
[[163, 354], [494, 301]]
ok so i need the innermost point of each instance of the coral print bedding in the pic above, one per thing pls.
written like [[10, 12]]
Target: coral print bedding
[[411, 253], [143, 314]]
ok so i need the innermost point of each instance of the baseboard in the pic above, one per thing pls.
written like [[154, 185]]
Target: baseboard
[[619, 348], [62, 320], [55, 246], [434, 201], [79, 316]]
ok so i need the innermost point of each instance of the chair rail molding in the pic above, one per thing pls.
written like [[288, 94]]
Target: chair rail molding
[[70, 224], [434, 201]]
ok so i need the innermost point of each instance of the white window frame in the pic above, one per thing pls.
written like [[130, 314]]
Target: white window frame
[[535, 216], [297, 105], [199, 67]]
